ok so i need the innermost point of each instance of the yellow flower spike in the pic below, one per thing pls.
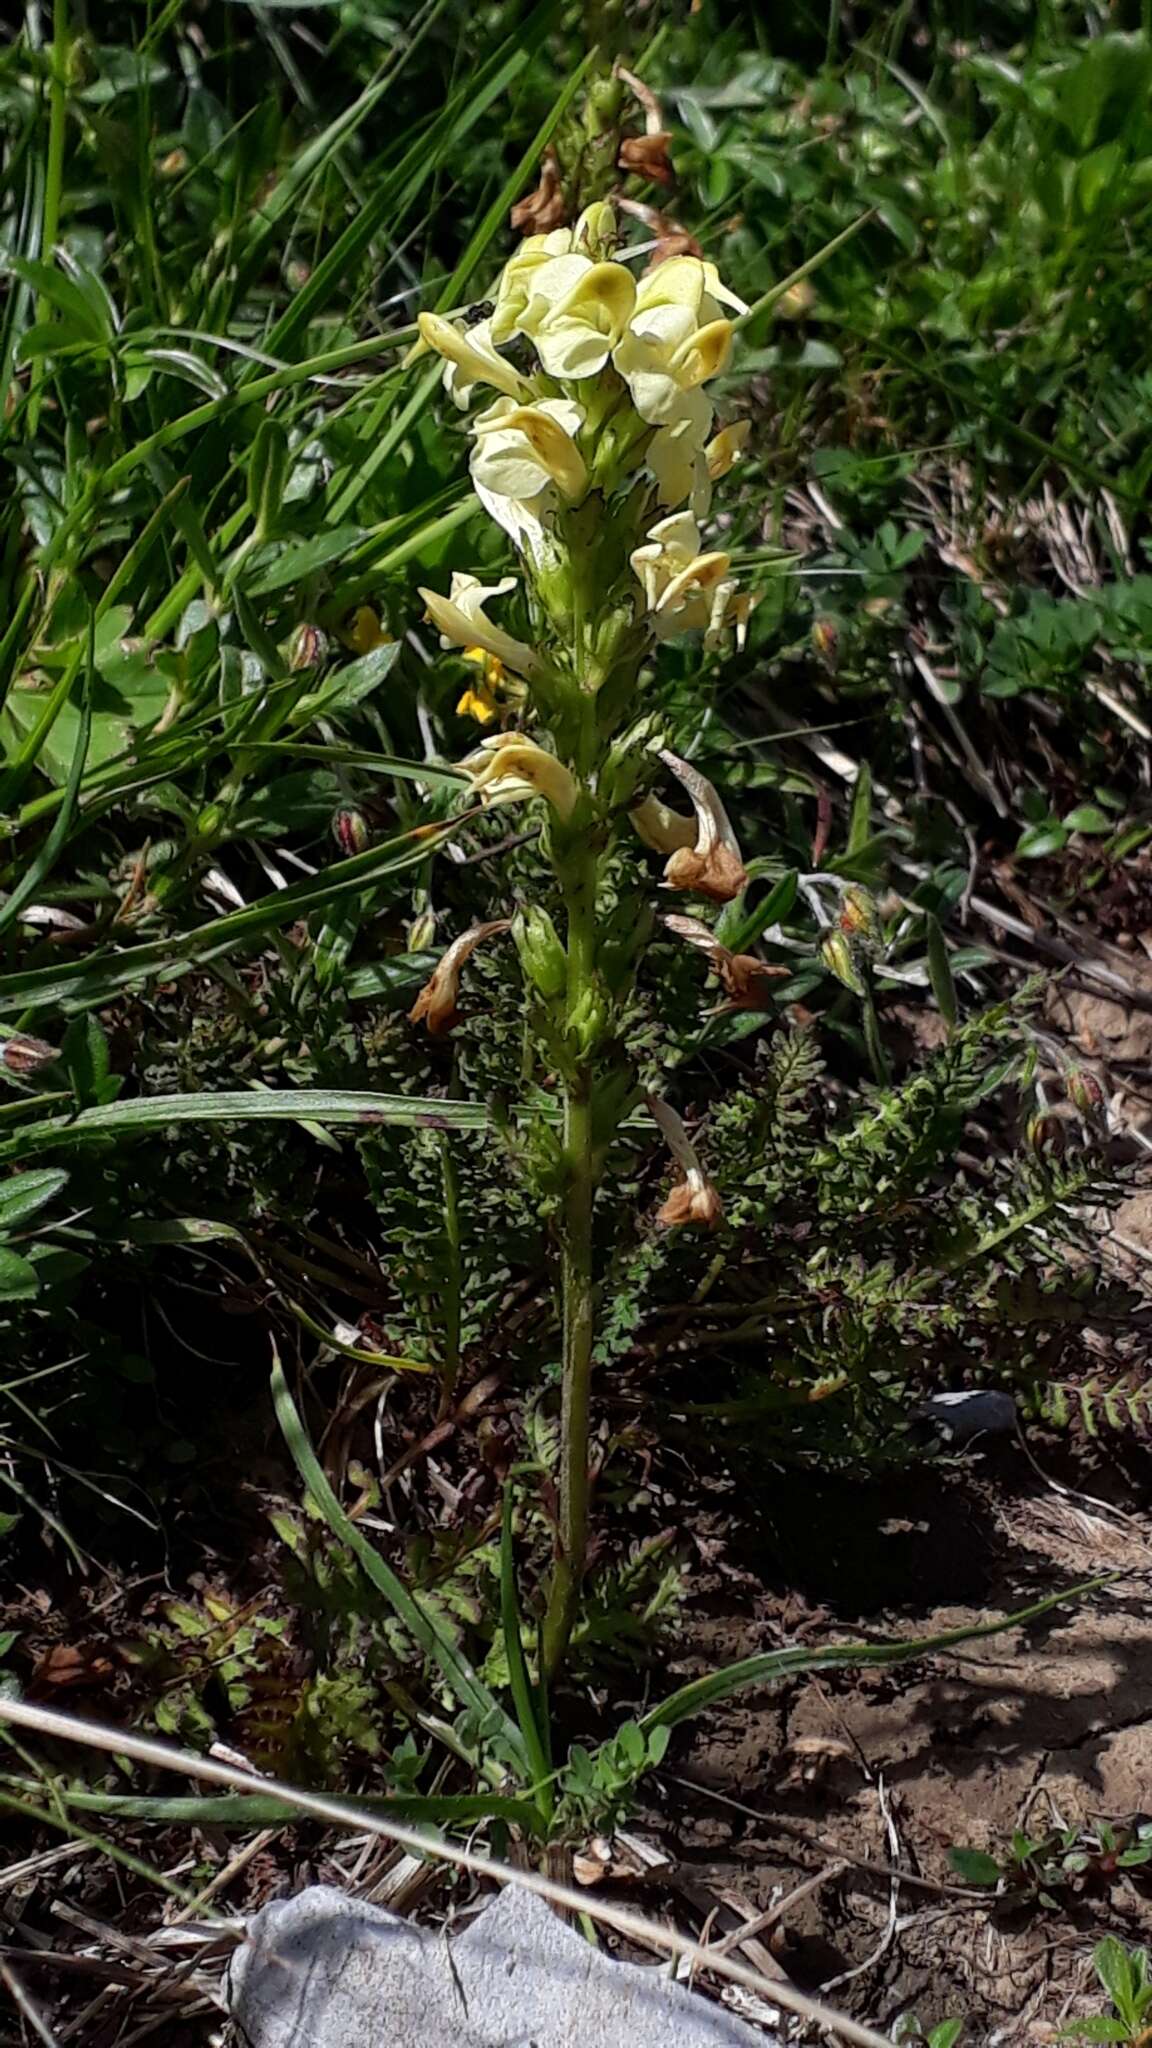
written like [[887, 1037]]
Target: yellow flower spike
[[463, 622], [725, 449], [435, 1006], [521, 449], [509, 767], [472, 355], [704, 355]]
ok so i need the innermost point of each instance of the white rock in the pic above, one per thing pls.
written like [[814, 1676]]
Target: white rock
[[326, 1971]]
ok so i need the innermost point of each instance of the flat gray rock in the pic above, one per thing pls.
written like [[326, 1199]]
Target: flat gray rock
[[326, 1971]]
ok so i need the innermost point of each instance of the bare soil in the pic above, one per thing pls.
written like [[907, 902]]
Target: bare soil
[[1045, 1726]]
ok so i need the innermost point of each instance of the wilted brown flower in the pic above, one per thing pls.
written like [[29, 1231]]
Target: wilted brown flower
[[646, 156], [435, 1006], [713, 866], [693, 1200], [742, 976], [545, 208], [671, 238]]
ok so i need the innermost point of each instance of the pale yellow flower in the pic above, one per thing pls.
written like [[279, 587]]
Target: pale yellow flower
[[665, 831], [685, 588], [471, 358], [521, 450], [676, 339], [678, 461], [463, 622], [726, 448], [508, 767], [516, 279], [575, 313]]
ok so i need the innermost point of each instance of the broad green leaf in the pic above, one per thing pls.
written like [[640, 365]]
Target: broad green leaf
[[1089, 818], [24, 1193], [1116, 1971], [1037, 841], [973, 1865], [19, 1280]]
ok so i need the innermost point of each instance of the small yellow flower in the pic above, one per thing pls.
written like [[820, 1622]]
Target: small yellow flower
[[493, 692], [726, 448], [522, 449], [363, 631], [575, 313], [508, 767], [471, 357], [463, 622]]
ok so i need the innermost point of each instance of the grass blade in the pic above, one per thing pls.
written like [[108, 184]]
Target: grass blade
[[425, 1627], [523, 1693], [772, 1665]]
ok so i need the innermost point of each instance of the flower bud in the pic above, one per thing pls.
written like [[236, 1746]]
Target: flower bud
[[595, 233], [836, 954], [826, 640], [24, 1056], [541, 953], [210, 823], [1084, 1092], [588, 1021], [1046, 1134], [421, 932], [859, 917], [603, 105], [350, 831], [307, 648]]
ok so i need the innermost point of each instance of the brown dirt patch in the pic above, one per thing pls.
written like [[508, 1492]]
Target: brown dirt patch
[[1047, 1725]]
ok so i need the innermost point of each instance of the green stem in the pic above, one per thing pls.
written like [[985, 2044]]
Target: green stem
[[578, 1294]]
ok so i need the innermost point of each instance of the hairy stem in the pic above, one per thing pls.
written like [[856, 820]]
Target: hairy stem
[[578, 1296]]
